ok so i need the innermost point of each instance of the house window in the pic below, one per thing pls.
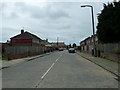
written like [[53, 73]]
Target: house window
[[87, 48], [21, 40]]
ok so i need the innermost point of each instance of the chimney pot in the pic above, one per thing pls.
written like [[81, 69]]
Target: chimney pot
[[22, 31]]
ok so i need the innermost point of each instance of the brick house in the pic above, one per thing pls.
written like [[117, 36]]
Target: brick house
[[102, 49], [0, 49], [25, 39], [44, 42], [23, 45], [87, 44], [58, 45]]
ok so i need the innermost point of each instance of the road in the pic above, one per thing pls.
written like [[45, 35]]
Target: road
[[58, 70]]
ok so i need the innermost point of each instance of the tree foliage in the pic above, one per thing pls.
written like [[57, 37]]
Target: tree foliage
[[108, 28], [74, 45], [70, 46]]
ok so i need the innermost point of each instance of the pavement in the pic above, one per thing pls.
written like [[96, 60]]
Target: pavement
[[6, 64], [108, 65]]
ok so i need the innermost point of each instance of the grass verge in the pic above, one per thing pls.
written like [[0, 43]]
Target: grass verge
[[4, 58]]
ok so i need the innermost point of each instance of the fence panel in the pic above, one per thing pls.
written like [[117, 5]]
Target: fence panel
[[22, 51], [109, 48]]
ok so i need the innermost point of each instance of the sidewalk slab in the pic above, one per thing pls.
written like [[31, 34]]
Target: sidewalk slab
[[5, 64], [110, 66]]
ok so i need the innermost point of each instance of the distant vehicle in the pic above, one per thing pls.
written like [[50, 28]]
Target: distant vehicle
[[71, 50], [61, 49]]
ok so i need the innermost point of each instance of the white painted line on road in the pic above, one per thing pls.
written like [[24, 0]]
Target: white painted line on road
[[58, 58], [47, 71], [50, 68]]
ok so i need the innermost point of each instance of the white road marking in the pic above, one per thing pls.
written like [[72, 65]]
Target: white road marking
[[47, 71], [56, 60], [50, 68]]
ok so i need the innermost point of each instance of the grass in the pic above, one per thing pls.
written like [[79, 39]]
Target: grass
[[4, 58]]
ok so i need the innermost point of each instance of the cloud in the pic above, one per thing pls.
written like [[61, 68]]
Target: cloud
[[57, 14], [66, 20], [8, 32], [48, 11]]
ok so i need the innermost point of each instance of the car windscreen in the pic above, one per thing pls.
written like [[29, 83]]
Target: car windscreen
[[71, 49]]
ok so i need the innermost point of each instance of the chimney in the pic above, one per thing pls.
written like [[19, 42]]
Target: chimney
[[22, 31], [46, 40]]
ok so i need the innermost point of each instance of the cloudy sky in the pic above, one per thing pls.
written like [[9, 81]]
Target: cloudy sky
[[49, 20]]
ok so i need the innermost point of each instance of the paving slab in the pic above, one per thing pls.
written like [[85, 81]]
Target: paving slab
[[110, 66], [5, 63]]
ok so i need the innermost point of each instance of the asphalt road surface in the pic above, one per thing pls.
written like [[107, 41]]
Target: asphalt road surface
[[58, 70]]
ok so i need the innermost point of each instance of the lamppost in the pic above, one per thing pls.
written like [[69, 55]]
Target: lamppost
[[94, 46]]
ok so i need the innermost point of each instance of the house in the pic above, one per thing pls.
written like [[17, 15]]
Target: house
[[87, 44], [108, 50], [44, 42], [23, 45], [58, 44], [0, 49], [25, 39]]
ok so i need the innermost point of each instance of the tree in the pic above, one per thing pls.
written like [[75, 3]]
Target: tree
[[74, 45], [108, 28], [69, 45]]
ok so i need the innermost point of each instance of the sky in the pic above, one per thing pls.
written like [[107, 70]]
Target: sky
[[66, 20]]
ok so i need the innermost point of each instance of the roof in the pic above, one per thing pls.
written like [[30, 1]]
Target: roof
[[59, 43], [25, 35]]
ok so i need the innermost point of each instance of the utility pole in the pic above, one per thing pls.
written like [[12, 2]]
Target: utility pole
[[57, 41]]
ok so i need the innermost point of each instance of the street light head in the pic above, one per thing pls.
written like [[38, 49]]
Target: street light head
[[86, 6], [83, 6]]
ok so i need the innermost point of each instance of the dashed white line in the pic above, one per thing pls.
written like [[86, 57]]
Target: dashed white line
[[56, 60], [50, 68], [47, 71]]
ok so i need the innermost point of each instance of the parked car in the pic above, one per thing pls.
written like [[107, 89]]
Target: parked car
[[61, 49], [71, 50]]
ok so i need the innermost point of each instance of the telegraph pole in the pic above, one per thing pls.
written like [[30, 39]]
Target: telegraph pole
[[57, 41]]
